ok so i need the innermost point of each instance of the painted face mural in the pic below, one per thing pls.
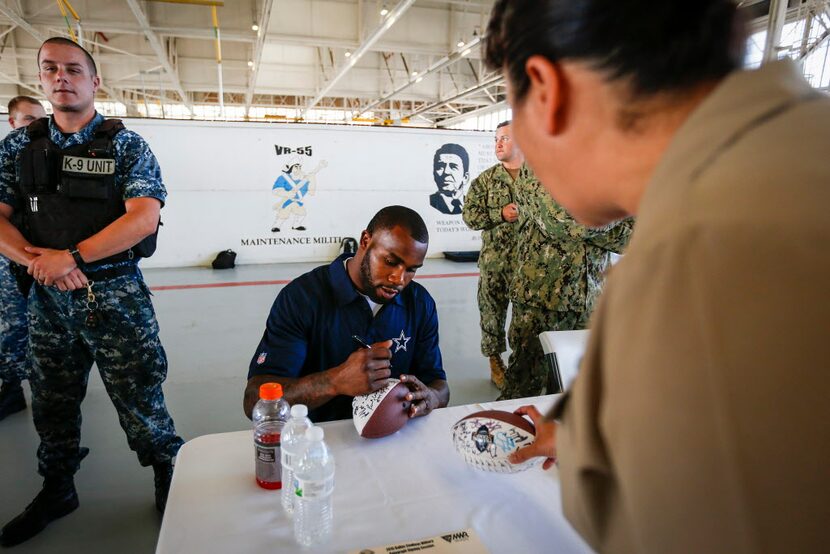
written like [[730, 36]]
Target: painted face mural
[[451, 172]]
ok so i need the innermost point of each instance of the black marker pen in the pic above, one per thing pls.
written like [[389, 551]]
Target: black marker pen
[[361, 342]]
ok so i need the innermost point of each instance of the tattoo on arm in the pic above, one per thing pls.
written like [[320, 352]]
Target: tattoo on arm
[[312, 390]]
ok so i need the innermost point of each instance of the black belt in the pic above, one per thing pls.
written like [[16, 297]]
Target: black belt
[[111, 273]]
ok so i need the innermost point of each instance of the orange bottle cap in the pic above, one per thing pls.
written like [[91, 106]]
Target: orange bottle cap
[[270, 391]]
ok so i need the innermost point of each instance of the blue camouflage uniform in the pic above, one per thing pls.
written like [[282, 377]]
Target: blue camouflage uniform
[[124, 344], [13, 328]]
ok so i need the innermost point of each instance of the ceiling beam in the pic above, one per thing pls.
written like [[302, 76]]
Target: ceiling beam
[[249, 37], [11, 28], [127, 28], [211, 3], [20, 22], [437, 66], [264, 23], [160, 51], [815, 46], [775, 24], [492, 81], [20, 83], [387, 23], [13, 42], [116, 95], [473, 113]]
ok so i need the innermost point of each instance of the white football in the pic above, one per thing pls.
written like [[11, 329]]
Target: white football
[[485, 440], [382, 412]]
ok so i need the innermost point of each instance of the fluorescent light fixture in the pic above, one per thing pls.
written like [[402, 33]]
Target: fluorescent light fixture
[[414, 73], [255, 27], [419, 79], [348, 54], [384, 10], [461, 43], [466, 52], [250, 63]]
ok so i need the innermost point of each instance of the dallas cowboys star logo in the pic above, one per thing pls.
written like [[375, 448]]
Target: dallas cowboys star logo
[[400, 342]]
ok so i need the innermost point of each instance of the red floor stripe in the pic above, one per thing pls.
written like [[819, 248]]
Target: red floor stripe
[[283, 282], [446, 275]]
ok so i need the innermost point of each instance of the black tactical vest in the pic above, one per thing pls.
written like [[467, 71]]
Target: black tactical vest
[[70, 194]]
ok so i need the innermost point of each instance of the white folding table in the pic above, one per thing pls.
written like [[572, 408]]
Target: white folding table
[[407, 486]]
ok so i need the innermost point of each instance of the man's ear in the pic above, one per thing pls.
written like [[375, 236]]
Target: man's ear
[[365, 237], [546, 97]]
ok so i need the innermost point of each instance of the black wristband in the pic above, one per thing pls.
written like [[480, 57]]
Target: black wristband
[[79, 261]]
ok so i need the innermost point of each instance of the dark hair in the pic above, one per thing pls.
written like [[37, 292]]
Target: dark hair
[[65, 41], [657, 46], [452, 148], [503, 124], [14, 102], [400, 216]]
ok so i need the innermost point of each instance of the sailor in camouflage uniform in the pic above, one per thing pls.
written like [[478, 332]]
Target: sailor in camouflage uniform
[[490, 207], [13, 342], [14, 337], [89, 302], [559, 274]]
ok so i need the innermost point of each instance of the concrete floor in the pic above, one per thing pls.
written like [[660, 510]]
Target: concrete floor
[[210, 334]]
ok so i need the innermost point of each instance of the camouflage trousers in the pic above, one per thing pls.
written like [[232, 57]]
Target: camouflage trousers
[[527, 374], [131, 360], [14, 334], [493, 298]]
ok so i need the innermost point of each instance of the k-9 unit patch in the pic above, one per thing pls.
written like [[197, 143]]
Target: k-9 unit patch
[[95, 166]]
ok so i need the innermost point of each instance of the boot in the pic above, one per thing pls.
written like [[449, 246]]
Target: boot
[[11, 398], [56, 499], [163, 475], [497, 370]]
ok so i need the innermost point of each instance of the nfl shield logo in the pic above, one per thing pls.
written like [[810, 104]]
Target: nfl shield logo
[[261, 359]]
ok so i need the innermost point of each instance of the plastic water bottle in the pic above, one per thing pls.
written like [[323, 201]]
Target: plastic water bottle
[[269, 417], [314, 477], [293, 442]]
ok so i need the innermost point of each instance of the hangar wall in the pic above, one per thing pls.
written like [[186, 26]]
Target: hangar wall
[[228, 181]]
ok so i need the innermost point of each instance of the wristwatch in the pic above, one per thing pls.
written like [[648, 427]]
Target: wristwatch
[[79, 261]]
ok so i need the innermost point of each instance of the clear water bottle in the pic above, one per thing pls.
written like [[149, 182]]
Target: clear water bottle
[[293, 442], [269, 417], [314, 478]]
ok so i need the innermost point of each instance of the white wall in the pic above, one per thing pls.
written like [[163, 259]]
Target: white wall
[[219, 178]]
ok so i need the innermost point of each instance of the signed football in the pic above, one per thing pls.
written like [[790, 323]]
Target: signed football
[[485, 440], [382, 412]]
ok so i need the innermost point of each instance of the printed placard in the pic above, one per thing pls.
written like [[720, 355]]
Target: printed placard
[[458, 542], [93, 166]]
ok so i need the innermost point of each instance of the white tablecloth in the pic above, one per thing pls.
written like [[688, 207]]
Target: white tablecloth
[[407, 486]]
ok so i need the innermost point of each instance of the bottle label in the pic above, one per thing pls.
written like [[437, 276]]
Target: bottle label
[[287, 459], [268, 468], [313, 489]]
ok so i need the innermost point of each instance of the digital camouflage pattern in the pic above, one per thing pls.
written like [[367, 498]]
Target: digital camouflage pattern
[[559, 274], [137, 172], [124, 344], [527, 374], [488, 194], [14, 336], [131, 360], [561, 263]]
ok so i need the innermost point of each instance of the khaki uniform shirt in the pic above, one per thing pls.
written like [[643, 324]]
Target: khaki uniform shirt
[[700, 421]]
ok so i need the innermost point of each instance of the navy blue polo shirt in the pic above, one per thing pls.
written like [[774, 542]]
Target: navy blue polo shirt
[[312, 321]]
